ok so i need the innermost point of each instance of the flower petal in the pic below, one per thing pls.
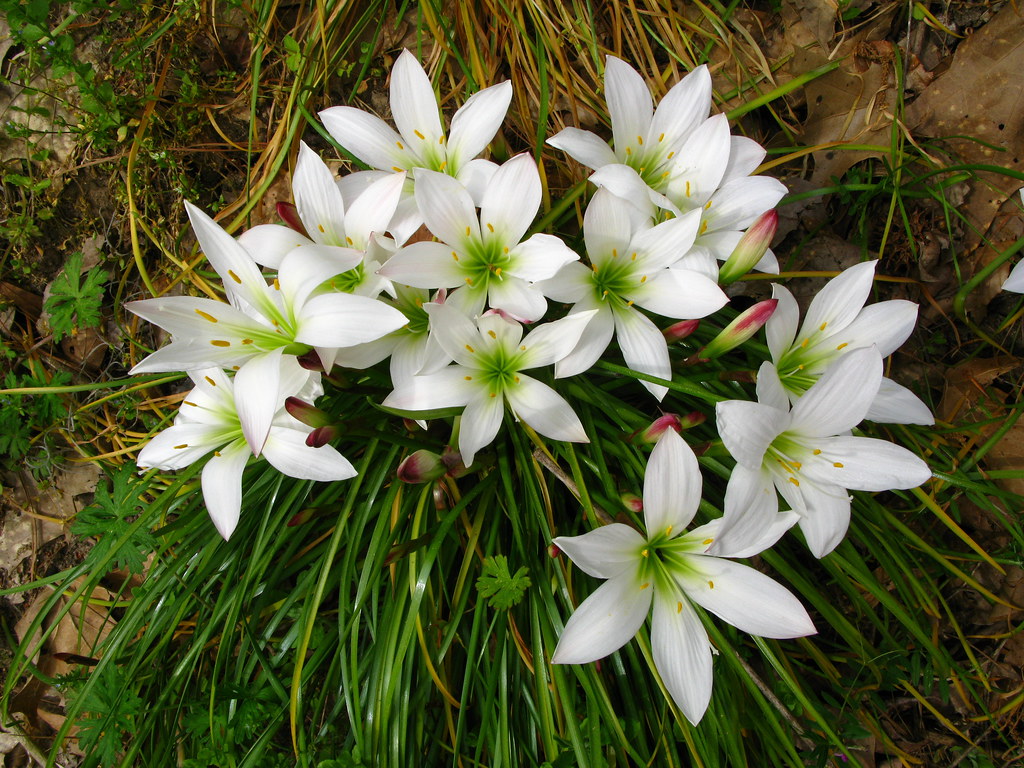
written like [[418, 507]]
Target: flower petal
[[318, 198], [672, 486], [424, 265], [603, 552], [895, 404], [752, 522], [866, 464], [679, 293], [738, 202], [511, 200], [584, 147], [366, 136], [480, 424], [592, 342], [540, 257], [341, 320], [414, 105], [258, 397], [643, 347], [841, 299], [222, 486], [824, 513], [458, 336], [523, 300], [545, 410], [682, 654], [287, 451], [629, 104], [769, 387], [448, 388], [607, 227], [840, 399], [268, 244], [745, 155], [886, 324], [373, 210], [447, 208], [605, 621], [685, 106], [747, 429], [780, 330], [663, 245], [746, 598], [181, 445], [476, 122], [548, 343]]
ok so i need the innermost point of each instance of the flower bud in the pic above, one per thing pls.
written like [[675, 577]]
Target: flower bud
[[321, 436], [553, 551], [307, 413], [739, 330], [657, 428], [452, 461], [751, 247], [632, 502], [680, 330], [290, 216], [421, 467], [692, 419]]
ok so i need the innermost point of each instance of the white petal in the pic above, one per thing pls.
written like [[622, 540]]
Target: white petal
[[373, 210], [447, 208], [752, 522], [698, 170], [745, 155], [684, 107], [629, 103], [840, 399], [548, 343], [318, 198], [572, 283], [475, 176], [679, 293], [664, 244], [769, 388], [780, 330], [747, 599], [366, 136], [592, 343], [498, 332], [458, 336], [476, 122], [222, 486], [672, 486], [747, 429], [519, 298], [286, 449], [511, 200], [643, 347], [842, 298], [682, 654], [886, 324], [185, 356], [739, 202], [341, 320], [867, 464], [268, 244], [424, 265], [1015, 281], [540, 257], [603, 552], [605, 621], [309, 266], [824, 513], [257, 397], [895, 404], [626, 184], [413, 103], [241, 277], [607, 226], [180, 445], [480, 424], [447, 388], [188, 318], [583, 147], [545, 410]]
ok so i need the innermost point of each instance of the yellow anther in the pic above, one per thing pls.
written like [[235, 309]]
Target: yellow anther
[[665, 175], [688, 189], [399, 145], [668, 531], [817, 451], [711, 584], [467, 231], [604, 294], [707, 205], [418, 134], [440, 139], [516, 379], [277, 284], [639, 139], [235, 277], [822, 326], [220, 343], [707, 541], [469, 281], [505, 249], [629, 150], [794, 481], [629, 303], [492, 334], [615, 253], [247, 341], [211, 381], [349, 240], [206, 316], [455, 255], [837, 464], [216, 453], [679, 607], [470, 349], [468, 378], [645, 585], [644, 553], [804, 343], [493, 394], [662, 137], [490, 227], [522, 347], [442, 166], [396, 169], [844, 344], [189, 402], [321, 228], [179, 447], [643, 279], [703, 227], [670, 154], [633, 256]]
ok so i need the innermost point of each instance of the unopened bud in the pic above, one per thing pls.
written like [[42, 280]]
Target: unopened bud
[[307, 413], [421, 467], [321, 436], [739, 330], [290, 216], [452, 461], [553, 551], [692, 419], [751, 247], [310, 361], [301, 518], [680, 330], [657, 428], [632, 502]]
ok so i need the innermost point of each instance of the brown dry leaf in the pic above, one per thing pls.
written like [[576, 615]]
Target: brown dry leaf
[[981, 95], [810, 22]]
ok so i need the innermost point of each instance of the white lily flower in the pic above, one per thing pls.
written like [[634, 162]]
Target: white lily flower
[[808, 453], [260, 318], [1015, 280], [420, 141], [352, 236], [214, 417], [837, 323], [630, 269], [490, 356], [673, 570], [483, 258]]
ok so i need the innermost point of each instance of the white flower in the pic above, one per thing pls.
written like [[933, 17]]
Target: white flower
[[214, 417], [837, 323], [352, 237], [673, 570], [490, 356], [483, 257], [808, 452], [630, 269], [420, 141], [1015, 281]]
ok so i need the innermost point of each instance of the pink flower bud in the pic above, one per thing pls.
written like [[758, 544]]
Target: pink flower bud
[[680, 330], [553, 551], [739, 330], [290, 216], [311, 361], [632, 502], [421, 467], [452, 461], [308, 414], [692, 419], [321, 436], [657, 428], [751, 247]]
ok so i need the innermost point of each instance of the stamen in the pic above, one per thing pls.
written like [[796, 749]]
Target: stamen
[[639, 139], [470, 350], [349, 240], [662, 137], [633, 257], [643, 279], [490, 227], [679, 607], [629, 150], [668, 531], [235, 277], [399, 145], [277, 284], [179, 447], [467, 231], [220, 343], [711, 584], [522, 347], [468, 378], [615, 253], [396, 169], [455, 255], [844, 344], [822, 326], [804, 343], [707, 541], [817, 451], [321, 228], [469, 281], [493, 394], [189, 402], [837, 464], [419, 135], [206, 316], [216, 453], [703, 227], [645, 585], [492, 334], [644, 553], [247, 341], [794, 481], [687, 189], [670, 154], [707, 205], [442, 166], [211, 381]]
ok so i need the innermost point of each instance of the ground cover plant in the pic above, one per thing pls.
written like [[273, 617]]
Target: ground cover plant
[[464, 373]]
